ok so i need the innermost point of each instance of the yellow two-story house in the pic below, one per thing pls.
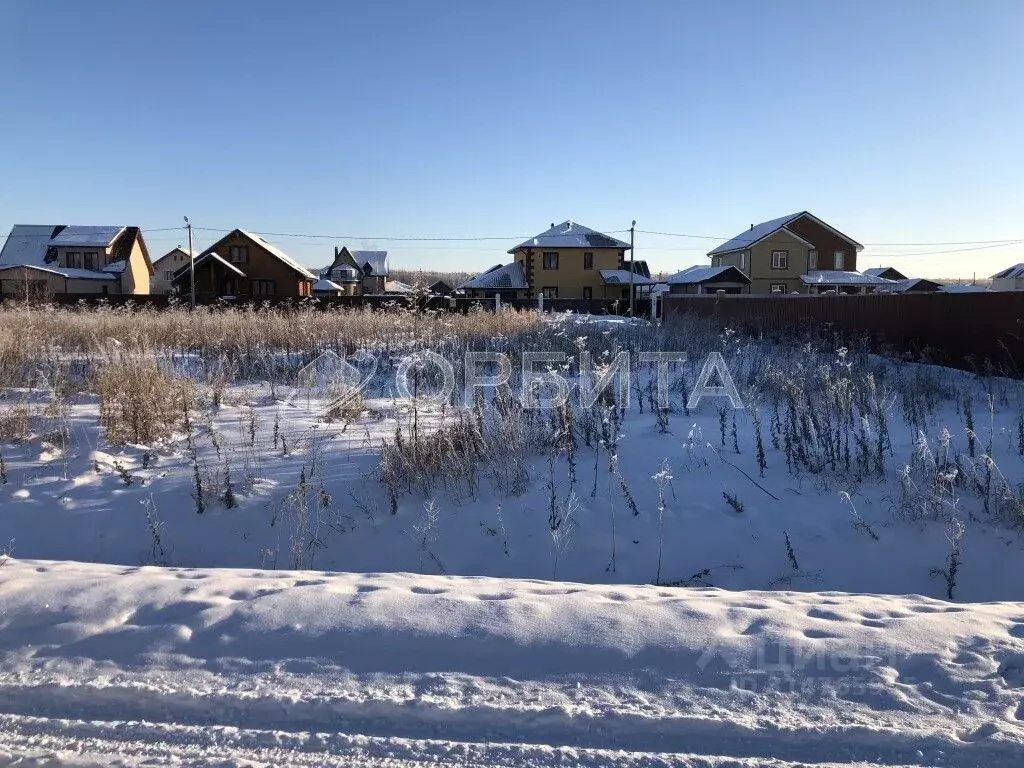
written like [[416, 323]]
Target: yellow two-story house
[[571, 261]]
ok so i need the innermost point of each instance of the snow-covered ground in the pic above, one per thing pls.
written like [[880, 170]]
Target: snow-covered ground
[[796, 611], [146, 665]]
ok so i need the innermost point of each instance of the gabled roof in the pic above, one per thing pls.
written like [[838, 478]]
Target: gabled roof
[[273, 250], [569, 234], [86, 237], [1015, 272], [500, 277], [35, 244], [27, 244], [912, 285], [839, 277], [700, 273], [377, 261], [889, 273], [439, 286], [207, 256], [174, 250], [759, 232], [622, 277]]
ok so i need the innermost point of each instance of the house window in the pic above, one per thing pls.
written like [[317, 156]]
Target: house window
[[625, 293], [780, 259], [812, 259], [90, 260], [550, 259], [588, 260], [106, 290], [74, 260], [743, 260], [839, 260], [263, 288], [588, 292], [238, 254], [232, 287], [777, 287], [549, 292], [169, 274]]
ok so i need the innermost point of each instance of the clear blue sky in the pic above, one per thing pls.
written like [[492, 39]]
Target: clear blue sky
[[898, 121]]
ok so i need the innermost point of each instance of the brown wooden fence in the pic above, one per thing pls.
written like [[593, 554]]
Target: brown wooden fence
[[960, 329]]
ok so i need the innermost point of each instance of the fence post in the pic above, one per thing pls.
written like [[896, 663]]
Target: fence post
[[540, 302], [654, 307], [497, 302]]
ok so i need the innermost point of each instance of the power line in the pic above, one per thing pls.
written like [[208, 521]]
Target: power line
[[388, 238], [751, 240]]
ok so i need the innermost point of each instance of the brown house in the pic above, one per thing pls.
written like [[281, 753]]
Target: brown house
[[243, 264], [795, 253]]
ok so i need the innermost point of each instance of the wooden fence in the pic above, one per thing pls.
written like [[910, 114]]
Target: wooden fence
[[960, 329]]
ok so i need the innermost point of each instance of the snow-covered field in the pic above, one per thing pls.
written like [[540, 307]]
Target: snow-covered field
[[527, 636], [216, 667]]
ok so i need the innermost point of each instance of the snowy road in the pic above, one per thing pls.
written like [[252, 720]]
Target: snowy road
[[146, 666]]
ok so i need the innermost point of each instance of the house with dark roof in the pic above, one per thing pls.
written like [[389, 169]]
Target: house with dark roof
[[569, 260], [702, 278], [1009, 279], [798, 252], [440, 288], [44, 260], [244, 265], [505, 280], [887, 273]]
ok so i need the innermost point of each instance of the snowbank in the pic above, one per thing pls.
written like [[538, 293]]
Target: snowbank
[[794, 676]]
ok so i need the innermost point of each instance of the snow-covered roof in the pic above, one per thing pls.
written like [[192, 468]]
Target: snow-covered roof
[[176, 249], [397, 286], [839, 277], [209, 255], [622, 276], [86, 237], [326, 286], [702, 273], [569, 234], [116, 267], [760, 231], [275, 251], [1013, 273], [880, 272], [378, 261], [27, 245], [53, 269], [910, 284], [508, 277]]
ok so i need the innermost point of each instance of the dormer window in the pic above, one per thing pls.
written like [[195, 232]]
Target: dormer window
[[90, 260], [73, 259]]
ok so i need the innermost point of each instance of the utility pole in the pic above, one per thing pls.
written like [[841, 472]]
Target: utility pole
[[192, 261], [632, 274]]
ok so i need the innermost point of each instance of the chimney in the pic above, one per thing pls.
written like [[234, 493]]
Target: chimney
[[552, 225], [751, 226], [336, 251]]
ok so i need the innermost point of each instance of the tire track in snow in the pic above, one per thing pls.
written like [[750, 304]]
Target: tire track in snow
[[45, 709]]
